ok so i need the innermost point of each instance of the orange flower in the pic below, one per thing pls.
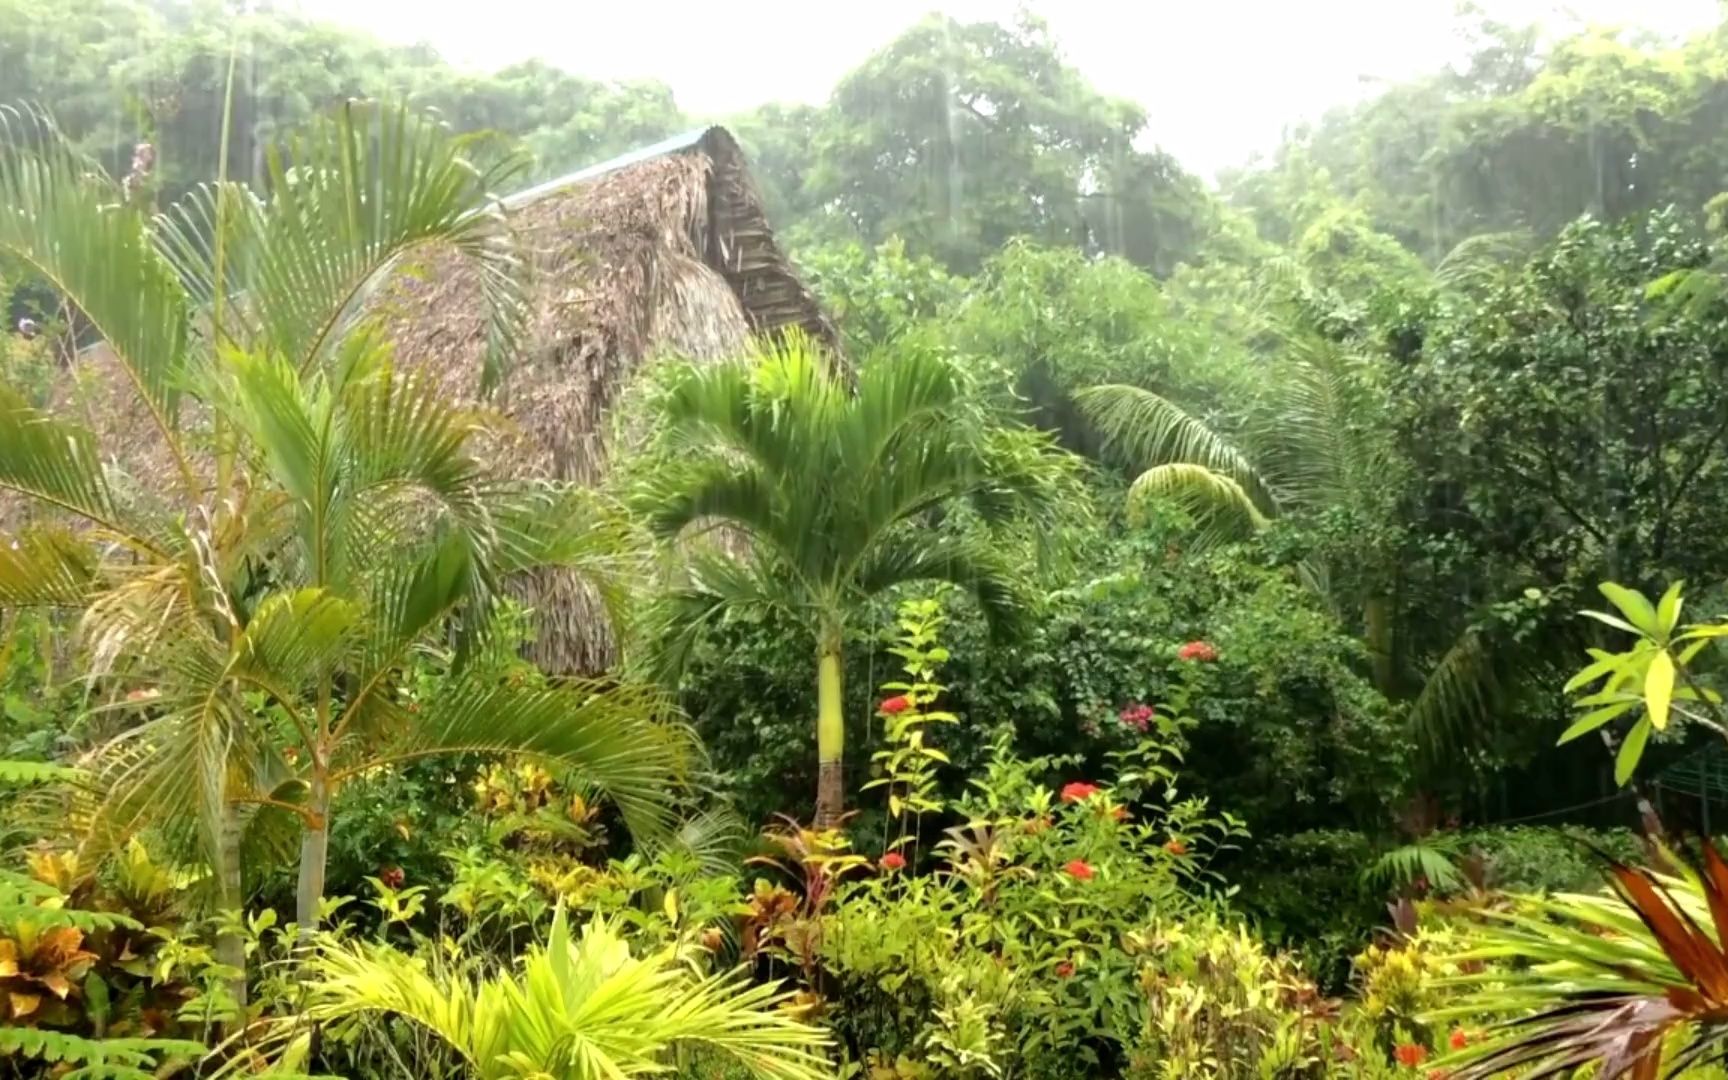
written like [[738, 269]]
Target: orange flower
[[1176, 847], [1120, 813], [1080, 870], [1410, 1055], [1078, 791], [893, 861], [1458, 1040], [1065, 969], [896, 704]]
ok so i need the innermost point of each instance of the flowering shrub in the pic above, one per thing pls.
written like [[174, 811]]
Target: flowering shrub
[[1197, 651], [1026, 918]]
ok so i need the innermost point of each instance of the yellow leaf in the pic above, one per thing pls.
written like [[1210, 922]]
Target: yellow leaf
[[672, 905], [24, 1004], [1659, 688]]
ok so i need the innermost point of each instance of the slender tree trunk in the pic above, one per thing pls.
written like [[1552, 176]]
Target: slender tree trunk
[[230, 946], [1377, 628], [830, 733], [314, 849]]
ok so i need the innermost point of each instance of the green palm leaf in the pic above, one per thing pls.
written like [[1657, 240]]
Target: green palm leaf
[[1219, 507], [350, 200], [61, 217], [582, 1008], [619, 738]]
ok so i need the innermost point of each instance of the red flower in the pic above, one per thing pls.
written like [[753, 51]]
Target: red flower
[[1080, 870], [1065, 969], [1410, 1055], [893, 861], [1458, 1040], [1176, 847], [1202, 651], [392, 877], [896, 704], [1078, 791]]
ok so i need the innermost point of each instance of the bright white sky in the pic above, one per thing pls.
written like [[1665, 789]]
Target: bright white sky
[[1221, 79]]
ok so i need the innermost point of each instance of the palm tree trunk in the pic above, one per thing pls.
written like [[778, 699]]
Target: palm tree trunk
[[1377, 629], [314, 849], [830, 734], [230, 946]]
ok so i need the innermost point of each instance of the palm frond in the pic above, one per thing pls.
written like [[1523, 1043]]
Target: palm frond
[[618, 738], [905, 558], [1145, 430], [53, 461], [582, 1008], [45, 568], [1218, 506], [350, 200], [62, 217]]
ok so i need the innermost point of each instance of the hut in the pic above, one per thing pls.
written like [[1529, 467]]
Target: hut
[[664, 251]]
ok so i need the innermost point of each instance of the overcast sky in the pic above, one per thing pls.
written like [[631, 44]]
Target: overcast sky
[[1220, 78]]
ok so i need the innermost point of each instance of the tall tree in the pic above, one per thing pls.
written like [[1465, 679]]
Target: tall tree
[[834, 494], [958, 136]]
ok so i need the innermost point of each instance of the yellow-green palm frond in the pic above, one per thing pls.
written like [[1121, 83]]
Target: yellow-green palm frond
[[62, 217], [350, 199], [1219, 507], [582, 1008]]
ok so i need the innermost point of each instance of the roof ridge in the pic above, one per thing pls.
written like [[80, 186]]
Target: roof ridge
[[687, 140]]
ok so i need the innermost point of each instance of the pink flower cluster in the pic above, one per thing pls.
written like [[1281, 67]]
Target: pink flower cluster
[[1137, 716]]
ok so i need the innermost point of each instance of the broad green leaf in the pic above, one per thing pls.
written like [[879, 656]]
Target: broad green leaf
[[1634, 605], [1631, 751], [1594, 719], [1668, 609], [1659, 688]]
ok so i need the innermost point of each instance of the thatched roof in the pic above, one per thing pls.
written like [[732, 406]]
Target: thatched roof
[[666, 250]]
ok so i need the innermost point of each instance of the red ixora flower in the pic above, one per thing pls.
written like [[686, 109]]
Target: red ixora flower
[[1136, 716], [1078, 791], [392, 876], [1176, 847], [1080, 870], [1203, 651], [1410, 1055], [1065, 970], [893, 861], [1458, 1040], [899, 703]]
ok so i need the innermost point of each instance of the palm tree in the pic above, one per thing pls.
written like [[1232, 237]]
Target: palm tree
[[829, 489], [1315, 451], [581, 1008], [324, 518]]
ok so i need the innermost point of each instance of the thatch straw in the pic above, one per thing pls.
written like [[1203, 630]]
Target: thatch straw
[[670, 254], [667, 253]]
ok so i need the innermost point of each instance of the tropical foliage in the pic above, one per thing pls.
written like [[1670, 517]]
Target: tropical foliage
[[1191, 583]]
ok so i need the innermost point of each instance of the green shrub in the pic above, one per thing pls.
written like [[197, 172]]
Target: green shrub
[[1531, 859]]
